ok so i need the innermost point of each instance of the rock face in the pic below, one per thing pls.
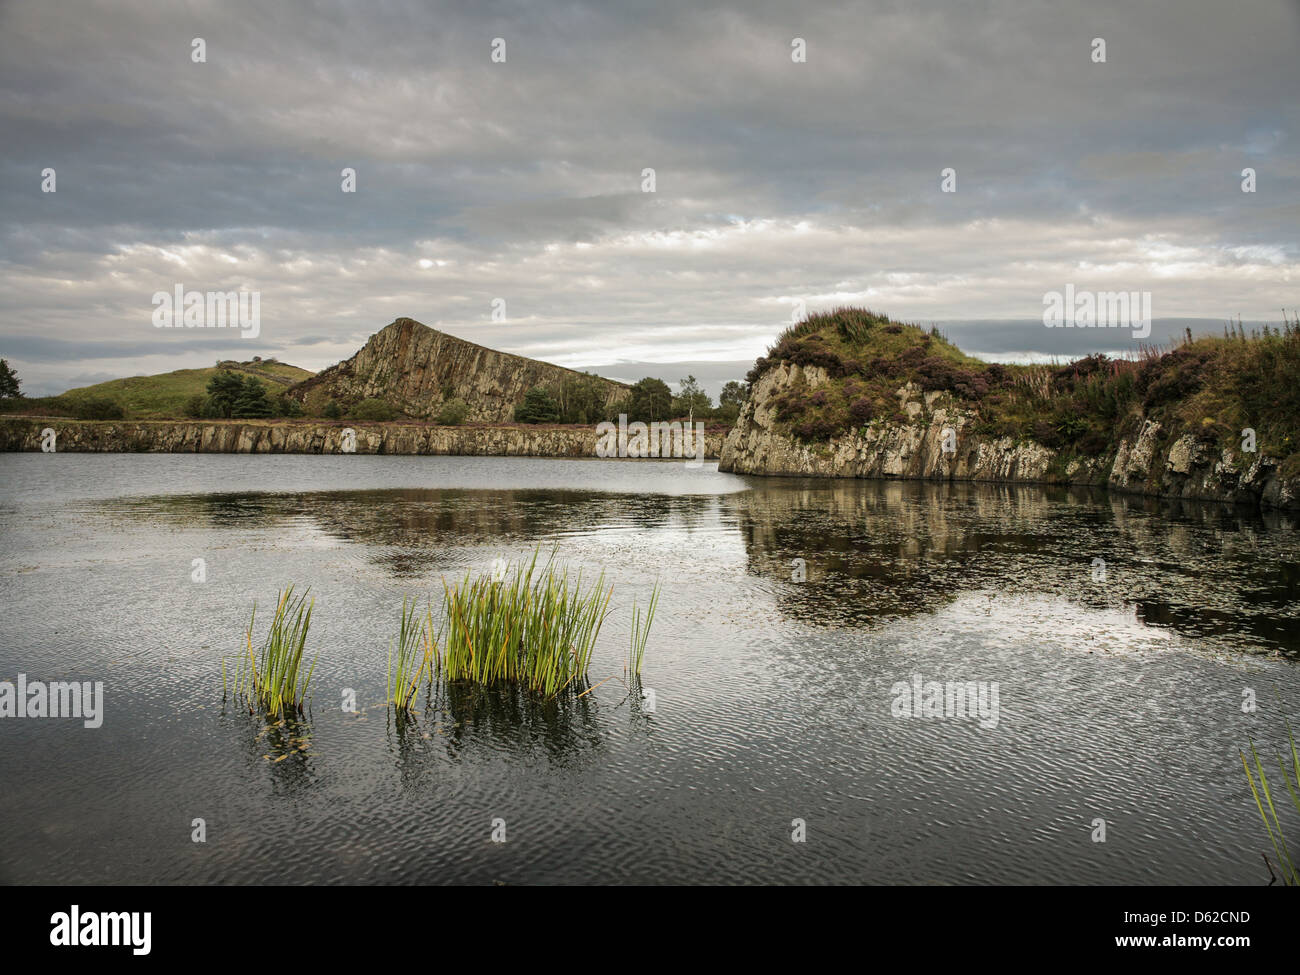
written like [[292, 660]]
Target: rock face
[[1144, 463], [417, 369], [270, 437]]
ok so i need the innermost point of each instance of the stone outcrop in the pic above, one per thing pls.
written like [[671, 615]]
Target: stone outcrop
[[1145, 462], [417, 369], [302, 437]]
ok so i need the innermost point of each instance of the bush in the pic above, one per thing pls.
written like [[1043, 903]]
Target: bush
[[934, 373], [374, 410], [332, 410], [970, 385], [283, 405], [98, 408], [195, 405], [453, 412]]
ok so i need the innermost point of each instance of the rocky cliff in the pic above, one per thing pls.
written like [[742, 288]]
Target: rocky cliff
[[417, 369], [285, 437], [1149, 460]]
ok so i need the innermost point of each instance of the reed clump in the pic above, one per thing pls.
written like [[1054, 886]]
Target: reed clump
[[527, 625], [533, 626], [1272, 823], [416, 656], [641, 623], [272, 679]]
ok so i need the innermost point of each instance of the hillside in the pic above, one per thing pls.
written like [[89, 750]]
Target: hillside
[[161, 396], [852, 393], [417, 369]]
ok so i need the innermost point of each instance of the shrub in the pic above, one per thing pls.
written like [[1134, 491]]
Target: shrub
[[98, 408], [934, 373], [332, 410], [998, 374], [453, 412], [1045, 432], [374, 410], [283, 405], [971, 385]]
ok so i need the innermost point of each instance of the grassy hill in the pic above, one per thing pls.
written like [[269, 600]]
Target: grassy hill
[[158, 397], [1213, 387]]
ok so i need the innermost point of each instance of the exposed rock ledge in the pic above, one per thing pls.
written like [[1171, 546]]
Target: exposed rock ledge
[[1147, 462], [273, 437]]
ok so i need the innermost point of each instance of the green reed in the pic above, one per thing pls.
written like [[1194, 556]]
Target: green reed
[[641, 624], [1272, 823], [271, 678], [417, 653], [534, 626]]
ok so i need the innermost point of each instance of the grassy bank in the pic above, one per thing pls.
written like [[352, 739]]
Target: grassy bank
[[159, 397]]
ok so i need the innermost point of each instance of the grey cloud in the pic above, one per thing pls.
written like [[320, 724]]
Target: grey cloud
[[522, 178]]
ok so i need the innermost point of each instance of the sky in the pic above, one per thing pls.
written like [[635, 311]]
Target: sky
[[501, 149]]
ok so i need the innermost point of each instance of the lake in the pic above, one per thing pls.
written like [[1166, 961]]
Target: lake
[[792, 611]]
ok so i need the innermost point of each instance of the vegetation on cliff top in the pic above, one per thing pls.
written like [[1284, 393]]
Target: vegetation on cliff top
[[1211, 387]]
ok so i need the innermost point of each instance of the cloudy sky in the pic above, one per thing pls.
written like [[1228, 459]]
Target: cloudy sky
[[776, 181]]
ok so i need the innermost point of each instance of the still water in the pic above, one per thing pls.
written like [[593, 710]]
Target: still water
[[790, 610]]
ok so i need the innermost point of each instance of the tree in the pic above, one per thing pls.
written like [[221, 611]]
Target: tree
[[650, 400], [332, 410], [224, 389], [251, 401], [692, 401], [539, 406], [10, 384], [734, 393], [283, 405], [581, 399], [731, 400]]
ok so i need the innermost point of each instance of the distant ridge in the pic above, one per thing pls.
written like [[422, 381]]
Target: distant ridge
[[417, 369]]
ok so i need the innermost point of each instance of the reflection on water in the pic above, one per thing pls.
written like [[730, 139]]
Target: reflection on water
[[867, 553], [1119, 694], [879, 551]]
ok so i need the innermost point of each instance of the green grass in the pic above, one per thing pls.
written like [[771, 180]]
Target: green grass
[[1272, 822], [535, 627], [416, 656], [272, 679], [158, 397], [641, 624]]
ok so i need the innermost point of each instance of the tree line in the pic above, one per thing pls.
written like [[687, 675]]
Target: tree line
[[584, 400]]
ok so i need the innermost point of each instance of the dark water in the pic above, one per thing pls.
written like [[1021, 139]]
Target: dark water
[[1118, 699]]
